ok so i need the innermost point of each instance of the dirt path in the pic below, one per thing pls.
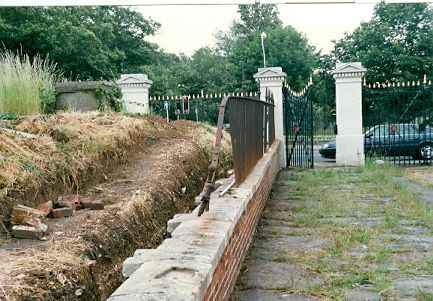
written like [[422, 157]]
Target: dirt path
[[342, 234], [82, 255]]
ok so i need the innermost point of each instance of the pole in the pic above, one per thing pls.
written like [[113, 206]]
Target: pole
[[167, 115], [263, 36]]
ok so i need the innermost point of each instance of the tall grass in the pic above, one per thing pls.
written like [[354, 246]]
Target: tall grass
[[26, 85]]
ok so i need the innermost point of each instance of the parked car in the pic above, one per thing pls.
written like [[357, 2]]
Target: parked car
[[403, 139]]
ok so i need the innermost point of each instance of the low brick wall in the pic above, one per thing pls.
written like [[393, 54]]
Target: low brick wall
[[202, 259]]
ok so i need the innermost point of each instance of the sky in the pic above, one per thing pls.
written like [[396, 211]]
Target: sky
[[185, 29]]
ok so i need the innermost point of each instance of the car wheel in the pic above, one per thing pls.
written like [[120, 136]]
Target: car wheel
[[425, 151]]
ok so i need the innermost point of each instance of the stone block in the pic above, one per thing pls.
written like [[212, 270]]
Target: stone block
[[178, 252], [27, 232], [62, 212], [178, 219], [20, 212], [178, 280], [93, 205]]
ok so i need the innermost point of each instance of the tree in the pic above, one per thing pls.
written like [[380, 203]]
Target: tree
[[396, 45], [85, 42]]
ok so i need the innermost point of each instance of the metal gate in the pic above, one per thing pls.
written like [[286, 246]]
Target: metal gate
[[398, 122], [299, 127]]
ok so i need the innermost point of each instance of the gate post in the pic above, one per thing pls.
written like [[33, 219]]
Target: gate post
[[348, 92], [135, 90], [272, 79]]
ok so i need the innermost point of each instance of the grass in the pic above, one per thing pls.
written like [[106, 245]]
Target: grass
[[26, 85], [424, 296], [355, 208]]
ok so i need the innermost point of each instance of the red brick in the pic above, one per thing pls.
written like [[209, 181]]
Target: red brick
[[94, 205], [73, 198], [20, 212], [34, 222], [62, 212], [45, 208], [68, 201]]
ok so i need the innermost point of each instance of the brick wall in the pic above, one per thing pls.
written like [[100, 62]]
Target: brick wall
[[227, 270], [202, 259]]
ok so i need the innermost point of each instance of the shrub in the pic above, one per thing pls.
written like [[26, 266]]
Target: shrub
[[27, 85]]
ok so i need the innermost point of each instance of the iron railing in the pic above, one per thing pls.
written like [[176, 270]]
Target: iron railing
[[299, 128], [398, 123], [252, 132]]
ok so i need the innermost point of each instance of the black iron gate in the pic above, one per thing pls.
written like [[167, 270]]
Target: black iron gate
[[398, 122], [299, 127]]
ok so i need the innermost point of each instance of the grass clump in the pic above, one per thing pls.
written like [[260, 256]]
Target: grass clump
[[26, 85]]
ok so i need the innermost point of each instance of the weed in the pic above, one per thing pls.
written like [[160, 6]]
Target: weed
[[26, 86], [424, 296]]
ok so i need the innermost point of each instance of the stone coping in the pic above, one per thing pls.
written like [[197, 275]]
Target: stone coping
[[71, 87], [181, 268]]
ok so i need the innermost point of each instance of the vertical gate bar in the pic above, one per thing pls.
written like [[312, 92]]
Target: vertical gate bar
[[312, 130]]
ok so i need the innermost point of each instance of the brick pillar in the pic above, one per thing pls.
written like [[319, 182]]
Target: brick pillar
[[272, 79], [348, 88], [135, 89]]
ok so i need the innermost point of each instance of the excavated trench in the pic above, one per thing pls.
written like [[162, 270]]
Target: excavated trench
[[81, 256]]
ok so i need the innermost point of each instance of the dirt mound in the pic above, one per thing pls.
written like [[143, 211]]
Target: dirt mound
[[163, 168], [36, 166]]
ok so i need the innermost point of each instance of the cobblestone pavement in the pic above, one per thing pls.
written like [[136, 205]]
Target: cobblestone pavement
[[342, 234]]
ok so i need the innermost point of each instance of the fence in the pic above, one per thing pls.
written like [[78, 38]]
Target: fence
[[252, 132], [299, 127], [203, 108], [398, 124]]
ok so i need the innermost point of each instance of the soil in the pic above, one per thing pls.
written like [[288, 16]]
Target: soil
[[80, 257]]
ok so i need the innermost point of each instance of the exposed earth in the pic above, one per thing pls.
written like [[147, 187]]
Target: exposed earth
[[80, 257]]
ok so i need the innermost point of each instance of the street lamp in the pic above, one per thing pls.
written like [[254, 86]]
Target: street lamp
[[263, 36]]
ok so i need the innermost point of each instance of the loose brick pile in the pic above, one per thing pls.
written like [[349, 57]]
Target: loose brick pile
[[27, 222]]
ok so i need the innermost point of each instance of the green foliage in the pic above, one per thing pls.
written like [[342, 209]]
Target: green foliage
[[86, 42], [8, 116], [109, 97], [26, 85], [284, 46], [207, 110], [396, 45]]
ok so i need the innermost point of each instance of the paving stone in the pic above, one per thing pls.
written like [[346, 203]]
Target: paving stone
[[410, 285], [414, 241], [415, 230], [426, 193], [259, 294], [267, 274], [275, 230], [62, 212], [27, 232], [361, 294], [292, 243]]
